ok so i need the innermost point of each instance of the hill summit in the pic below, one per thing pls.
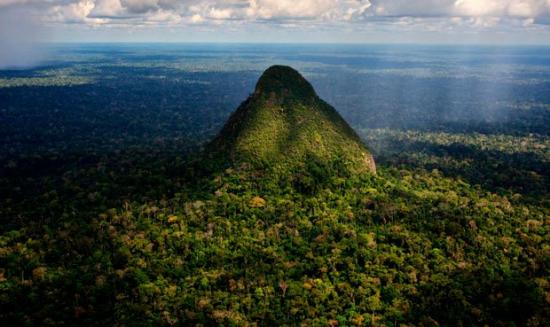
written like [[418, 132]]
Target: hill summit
[[284, 122]]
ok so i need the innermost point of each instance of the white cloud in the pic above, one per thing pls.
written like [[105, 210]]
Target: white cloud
[[216, 13], [480, 8], [107, 9], [467, 8], [164, 17], [268, 9], [72, 13], [196, 18], [289, 13]]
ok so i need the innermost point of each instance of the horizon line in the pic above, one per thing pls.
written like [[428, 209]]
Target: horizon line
[[305, 43]]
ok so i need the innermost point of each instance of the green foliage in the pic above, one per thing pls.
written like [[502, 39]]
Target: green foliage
[[516, 165], [449, 232], [285, 123], [400, 247]]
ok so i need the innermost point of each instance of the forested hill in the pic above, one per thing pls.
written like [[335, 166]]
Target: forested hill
[[285, 123], [293, 231]]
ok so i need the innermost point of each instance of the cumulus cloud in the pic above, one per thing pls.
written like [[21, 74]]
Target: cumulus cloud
[[332, 11], [164, 17], [216, 13], [525, 8], [107, 9], [267, 9], [21, 20], [468, 8], [346, 14]]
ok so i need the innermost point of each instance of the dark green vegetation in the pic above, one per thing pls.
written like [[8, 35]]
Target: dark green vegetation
[[106, 223], [284, 123]]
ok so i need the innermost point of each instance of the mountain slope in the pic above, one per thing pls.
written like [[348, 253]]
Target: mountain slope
[[285, 122]]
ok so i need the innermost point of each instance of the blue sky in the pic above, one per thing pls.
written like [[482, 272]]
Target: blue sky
[[25, 23]]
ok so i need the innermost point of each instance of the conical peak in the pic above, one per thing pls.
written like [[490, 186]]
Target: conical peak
[[284, 81], [284, 123]]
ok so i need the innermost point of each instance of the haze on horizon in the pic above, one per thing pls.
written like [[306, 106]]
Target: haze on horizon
[[24, 24]]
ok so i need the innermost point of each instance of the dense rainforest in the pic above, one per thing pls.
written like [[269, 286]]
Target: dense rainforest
[[453, 229]]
